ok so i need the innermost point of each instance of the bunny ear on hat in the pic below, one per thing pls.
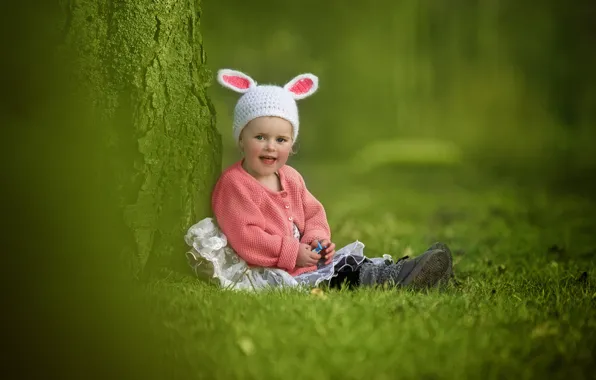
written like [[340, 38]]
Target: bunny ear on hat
[[235, 80], [302, 86]]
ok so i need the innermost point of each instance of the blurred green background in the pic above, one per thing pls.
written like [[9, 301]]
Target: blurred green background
[[503, 86], [506, 86]]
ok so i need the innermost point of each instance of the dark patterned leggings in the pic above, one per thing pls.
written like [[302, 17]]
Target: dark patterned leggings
[[348, 273]]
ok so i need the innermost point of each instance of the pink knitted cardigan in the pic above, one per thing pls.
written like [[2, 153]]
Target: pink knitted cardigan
[[258, 221]]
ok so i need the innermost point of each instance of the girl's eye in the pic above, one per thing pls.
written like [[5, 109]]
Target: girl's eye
[[281, 140], [259, 137]]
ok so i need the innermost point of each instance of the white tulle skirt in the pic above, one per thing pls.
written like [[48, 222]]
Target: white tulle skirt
[[212, 259]]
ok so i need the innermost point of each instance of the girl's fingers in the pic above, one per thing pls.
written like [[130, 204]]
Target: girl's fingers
[[330, 248]]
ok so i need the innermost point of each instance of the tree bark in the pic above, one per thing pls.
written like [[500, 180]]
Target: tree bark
[[141, 66]]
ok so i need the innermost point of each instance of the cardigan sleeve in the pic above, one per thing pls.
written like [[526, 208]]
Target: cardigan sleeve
[[238, 216], [316, 226]]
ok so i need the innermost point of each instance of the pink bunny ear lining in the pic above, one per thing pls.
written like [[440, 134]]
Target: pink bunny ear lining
[[236, 81], [301, 86]]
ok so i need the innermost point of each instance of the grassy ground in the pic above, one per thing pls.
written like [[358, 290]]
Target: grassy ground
[[522, 306]]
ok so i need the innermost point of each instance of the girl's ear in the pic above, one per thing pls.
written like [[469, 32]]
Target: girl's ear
[[302, 86], [235, 80]]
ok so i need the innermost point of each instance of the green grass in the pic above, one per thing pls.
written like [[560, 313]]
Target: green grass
[[522, 306]]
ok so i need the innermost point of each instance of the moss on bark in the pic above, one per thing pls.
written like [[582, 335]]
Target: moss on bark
[[141, 65]]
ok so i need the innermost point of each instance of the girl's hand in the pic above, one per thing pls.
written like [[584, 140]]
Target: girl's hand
[[306, 256], [327, 252]]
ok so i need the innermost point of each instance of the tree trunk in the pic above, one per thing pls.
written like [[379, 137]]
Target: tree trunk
[[141, 66]]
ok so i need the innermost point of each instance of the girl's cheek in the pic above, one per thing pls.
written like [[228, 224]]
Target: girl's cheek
[[255, 148]]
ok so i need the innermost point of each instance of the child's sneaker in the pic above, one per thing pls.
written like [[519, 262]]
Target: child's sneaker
[[432, 268]]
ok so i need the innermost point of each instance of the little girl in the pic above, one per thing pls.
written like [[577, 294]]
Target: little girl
[[269, 230]]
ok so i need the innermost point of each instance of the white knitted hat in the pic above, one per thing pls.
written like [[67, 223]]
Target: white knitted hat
[[266, 100]]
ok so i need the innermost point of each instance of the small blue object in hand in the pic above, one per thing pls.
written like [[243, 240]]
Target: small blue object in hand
[[319, 248]]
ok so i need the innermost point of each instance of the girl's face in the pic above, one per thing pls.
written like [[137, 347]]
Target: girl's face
[[266, 143]]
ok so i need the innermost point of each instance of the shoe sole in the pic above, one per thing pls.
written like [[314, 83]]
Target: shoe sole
[[449, 274], [435, 270]]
